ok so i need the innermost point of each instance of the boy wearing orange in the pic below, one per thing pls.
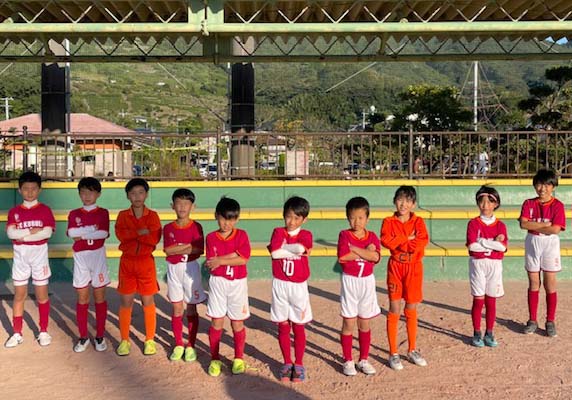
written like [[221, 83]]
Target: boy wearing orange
[[405, 235], [138, 230]]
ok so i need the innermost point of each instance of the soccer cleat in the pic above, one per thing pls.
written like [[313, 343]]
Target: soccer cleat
[[395, 362], [123, 348], [477, 340], [177, 353], [490, 340], [14, 340], [44, 339], [238, 366], [416, 358], [365, 367], [298, 373], [190, 354], [551, 329], [100, 344], [350, 368], [149, 348], [214, 367], [530, 328], [81, 345], [285, 372]]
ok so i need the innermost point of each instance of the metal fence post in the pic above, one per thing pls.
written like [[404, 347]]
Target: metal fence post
[[410, 162], [25, 149]]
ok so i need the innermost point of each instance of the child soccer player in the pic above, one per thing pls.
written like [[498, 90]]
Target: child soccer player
[[29, 226], [358, 252], [227, 252], [543, 217], [88, 226], [487, 242], [289, 248], [405, 235], [184, 243], [138, 230]]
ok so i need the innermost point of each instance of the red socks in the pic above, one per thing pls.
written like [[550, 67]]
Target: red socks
[[346, 341], [284, 341], [177, 327], [532, 305], [44, 309], [477, 312], [491, 312], [193, 323], [364, 343], [17, 323], [214, 341], [551, 300], [81, 311], [100, 318], [239, 343], [299, 342]]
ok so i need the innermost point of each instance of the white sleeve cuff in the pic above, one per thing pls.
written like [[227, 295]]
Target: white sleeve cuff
[[45, 233], [17, 234]]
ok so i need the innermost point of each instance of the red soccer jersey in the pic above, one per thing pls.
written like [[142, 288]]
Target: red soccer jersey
[[192, 233], [296, 269], [81, 218], [357, 267], [477, 229], [237, 242], [39, 216], [551, 211]]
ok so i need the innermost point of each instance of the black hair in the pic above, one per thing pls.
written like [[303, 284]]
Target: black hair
[[227, 208], [405, 191], [356, 203], [136, 182], [298, 205], [545, 176], [29, 176], [183, 194], [491, 193], [89, 183]]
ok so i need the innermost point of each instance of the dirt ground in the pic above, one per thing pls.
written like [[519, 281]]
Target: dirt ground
[[522, 367]]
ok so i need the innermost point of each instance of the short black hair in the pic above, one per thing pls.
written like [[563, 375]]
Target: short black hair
[[356, 203], [89, 183], [136, 182], [545, 176], [298, 205], [491, 193], [405, 191], [183, 194], [29, 176], [227, 208]]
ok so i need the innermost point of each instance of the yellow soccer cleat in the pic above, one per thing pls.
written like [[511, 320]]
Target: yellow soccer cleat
[[177, 353], [149, 348], [238, 366], [190, 354], [123, 348], [214, 367]]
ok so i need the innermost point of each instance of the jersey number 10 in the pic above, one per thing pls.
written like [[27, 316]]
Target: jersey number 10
[[288, 267]]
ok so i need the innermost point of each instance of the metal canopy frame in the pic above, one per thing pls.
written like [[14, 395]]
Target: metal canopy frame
[[218, 31]]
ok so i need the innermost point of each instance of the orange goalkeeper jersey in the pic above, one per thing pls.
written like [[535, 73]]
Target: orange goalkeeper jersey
[[394, 236], [131, 243]]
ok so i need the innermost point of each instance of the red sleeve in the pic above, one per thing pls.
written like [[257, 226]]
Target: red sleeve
[[471, 233], [522, 212], [559, 217], [105, 221], [198, 241], [168, 240], [306, 239], [71, 222], [276, 240], [343, 245], [210, 246], [243, 245], [123, 231], [421, 237], [375, 240], [503, 230], [388, 238], [154, 227], [50, 219]]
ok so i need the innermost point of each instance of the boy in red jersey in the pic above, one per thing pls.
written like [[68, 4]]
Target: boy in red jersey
[[358, 252], [138, 230], [227, 252], [29, 226], [183, 244], [289, 248], [405, 235], [544, 218], [487, 242], [88, 226]]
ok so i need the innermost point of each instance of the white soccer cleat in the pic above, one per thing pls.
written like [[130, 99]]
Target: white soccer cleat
[[395, 362], [350, 368], [81, 345], [366, 367], [14, 341], [100, 344], [44, 339]]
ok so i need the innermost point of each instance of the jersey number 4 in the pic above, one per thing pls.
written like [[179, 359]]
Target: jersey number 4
[[288, 267], [229, 271]]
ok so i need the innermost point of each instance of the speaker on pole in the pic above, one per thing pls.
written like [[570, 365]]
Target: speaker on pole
[[55, 98]]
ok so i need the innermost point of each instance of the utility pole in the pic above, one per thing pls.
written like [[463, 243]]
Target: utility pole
[[475, 95], [7, 106]]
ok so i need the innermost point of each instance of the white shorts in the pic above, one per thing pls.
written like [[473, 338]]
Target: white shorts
[[31, 261], [90, 266], [290, 302], [228, 298], [485, 277], [184, 283], [358, 297], [542, 252]]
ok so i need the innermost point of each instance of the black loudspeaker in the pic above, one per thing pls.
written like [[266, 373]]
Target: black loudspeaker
[[242, 98], [55, 98]]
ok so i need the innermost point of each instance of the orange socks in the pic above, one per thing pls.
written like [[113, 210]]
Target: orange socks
[[411, 323], [392, 321], [150, 314], [124, 322]]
